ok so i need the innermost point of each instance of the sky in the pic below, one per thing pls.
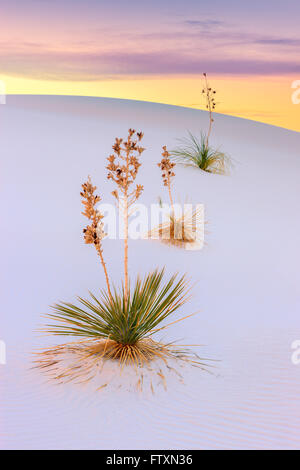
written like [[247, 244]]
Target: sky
[[157, 51]]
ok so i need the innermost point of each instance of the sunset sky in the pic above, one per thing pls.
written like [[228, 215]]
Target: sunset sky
[[156, 51]]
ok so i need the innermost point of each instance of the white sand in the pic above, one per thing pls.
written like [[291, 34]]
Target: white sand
[[247, 277]]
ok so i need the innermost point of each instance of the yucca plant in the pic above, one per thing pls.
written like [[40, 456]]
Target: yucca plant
[[180, 230], [197, 152], [117, 325], [125, 327], [177, 230], [147, 305]]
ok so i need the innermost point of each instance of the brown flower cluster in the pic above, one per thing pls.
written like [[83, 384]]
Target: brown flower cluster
[[209, 95], [123, 164], [166, 167], [93, 233]]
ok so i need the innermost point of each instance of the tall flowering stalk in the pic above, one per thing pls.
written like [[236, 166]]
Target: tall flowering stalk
[[209, 94], [94, 233], [123, 168]]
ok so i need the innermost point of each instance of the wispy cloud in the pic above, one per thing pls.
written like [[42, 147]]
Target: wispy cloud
[[97, 66], [204, 23], [278, 41], [190, 47]]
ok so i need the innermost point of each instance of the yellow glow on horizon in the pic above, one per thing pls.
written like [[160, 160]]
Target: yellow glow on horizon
[[264, 99]]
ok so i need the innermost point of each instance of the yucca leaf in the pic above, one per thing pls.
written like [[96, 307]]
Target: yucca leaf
[[196, 153], [150, 302]]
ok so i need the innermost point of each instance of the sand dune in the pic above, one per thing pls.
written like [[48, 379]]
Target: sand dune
[[247, 276]]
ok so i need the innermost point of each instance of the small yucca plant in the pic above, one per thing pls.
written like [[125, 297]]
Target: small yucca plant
[[180, 230], [196, 153], [177, 230], [118, 325]]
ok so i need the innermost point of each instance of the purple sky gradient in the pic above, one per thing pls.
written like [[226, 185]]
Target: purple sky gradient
[[92, 40]]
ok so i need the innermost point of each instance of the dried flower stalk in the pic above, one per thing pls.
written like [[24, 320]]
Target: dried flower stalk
[[166, 167], [94, 233], [123, 168], [209, 94]]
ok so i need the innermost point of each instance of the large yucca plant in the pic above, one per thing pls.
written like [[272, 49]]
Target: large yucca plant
[[149, 303], [119, 324]]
